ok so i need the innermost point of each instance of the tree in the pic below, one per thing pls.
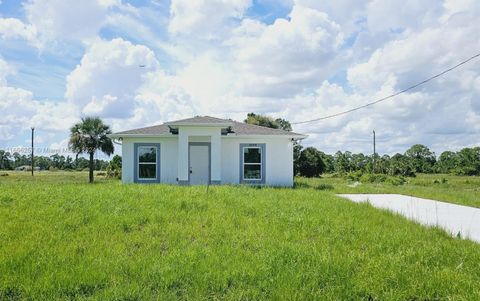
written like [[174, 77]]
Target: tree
[[343, 162], [468, 162], [269, 122], [297, 151], [400, 165], [42, 162], [88, 136], [311, 163], [57, 161], [20, 160], [421, 157], [382, 164], [114, 168], [283, 124], [5, 162], [329, 162], [359, 161], [447, 162]]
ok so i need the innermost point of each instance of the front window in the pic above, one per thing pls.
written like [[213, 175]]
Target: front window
[[147, 163], [252, 163]]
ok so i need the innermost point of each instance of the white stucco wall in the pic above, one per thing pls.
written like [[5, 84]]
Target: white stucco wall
[[168, 158], [188, 134], [278, 165], [279, 158]]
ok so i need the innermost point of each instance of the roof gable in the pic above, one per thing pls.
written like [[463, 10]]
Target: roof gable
[[200, 120]]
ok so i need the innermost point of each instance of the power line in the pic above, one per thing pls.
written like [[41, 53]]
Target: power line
[[390, 96]]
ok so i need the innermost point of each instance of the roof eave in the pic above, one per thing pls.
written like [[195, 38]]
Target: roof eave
[[233, 135], [296, 137], [120, 135]]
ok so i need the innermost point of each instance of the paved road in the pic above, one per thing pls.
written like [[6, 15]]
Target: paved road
[[450, 217]]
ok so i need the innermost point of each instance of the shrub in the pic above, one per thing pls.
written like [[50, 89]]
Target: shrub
[[373, 178], [440, 181], [396, 181], [354, 176], [3, 174], [114, 173], [114, 168], [324, 186], [465, 171]]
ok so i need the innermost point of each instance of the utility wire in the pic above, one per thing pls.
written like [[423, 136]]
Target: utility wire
[[390, 96]]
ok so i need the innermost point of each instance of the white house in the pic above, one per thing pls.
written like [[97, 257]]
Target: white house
[[207, 150]]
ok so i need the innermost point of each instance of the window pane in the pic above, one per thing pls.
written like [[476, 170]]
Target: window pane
[[252, 155], [147, 154], [252, 172], [147, 171]]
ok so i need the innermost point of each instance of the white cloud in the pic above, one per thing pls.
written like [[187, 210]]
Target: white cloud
[[348, 14], [67, 19], [204, 18], [386, 15], [110, 83], [106, 80], [288, 56], [5, 69], [12, 28], [49, 22], [20, 110], [106, 107]]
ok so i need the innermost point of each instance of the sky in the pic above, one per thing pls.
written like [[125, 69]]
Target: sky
[[140, 63]]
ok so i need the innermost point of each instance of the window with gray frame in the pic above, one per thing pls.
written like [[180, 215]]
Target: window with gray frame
[[147, 162], [252, 163]]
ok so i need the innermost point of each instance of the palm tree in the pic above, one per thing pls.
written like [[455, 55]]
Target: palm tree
[[88, 136]]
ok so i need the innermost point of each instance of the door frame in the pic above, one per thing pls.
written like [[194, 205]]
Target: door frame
[[209, 145]]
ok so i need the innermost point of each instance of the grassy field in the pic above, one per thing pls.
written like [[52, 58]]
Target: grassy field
[[64, 239], [448, 188]]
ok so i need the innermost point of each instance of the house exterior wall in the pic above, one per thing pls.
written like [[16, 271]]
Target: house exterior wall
[[278, 165], [188, 134], [168, 158]]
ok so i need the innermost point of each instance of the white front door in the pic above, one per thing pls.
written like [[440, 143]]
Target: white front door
[[199, 165]]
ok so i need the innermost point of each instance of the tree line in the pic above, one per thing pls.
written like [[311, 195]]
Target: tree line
[[311, 162], [15, 160]]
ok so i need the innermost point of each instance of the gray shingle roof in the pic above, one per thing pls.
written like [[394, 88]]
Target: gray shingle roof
[[241, 128], [200, 120], [159, 130], [238, 128]]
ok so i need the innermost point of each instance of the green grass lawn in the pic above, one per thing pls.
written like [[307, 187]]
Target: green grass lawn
[[61, 238]]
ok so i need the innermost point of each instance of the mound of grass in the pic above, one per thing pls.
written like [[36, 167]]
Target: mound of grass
[[324, 186], [358, 176], [440, 181], [373, 178]]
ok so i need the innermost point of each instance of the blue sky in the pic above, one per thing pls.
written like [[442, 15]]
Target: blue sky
[[295, 59]]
